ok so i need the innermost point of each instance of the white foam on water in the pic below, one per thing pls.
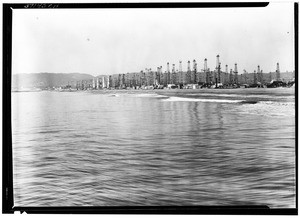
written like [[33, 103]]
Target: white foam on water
[[214, 94], [149, 95], [202, 100], [269, 108]]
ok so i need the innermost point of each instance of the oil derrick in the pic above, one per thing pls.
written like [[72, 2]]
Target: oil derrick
[[148, 79], [180, 66], [220, 77], [151, 77], [277, 72], [128, 80], [259, 75], [123, 79], [218, 70], [120, 80], [168, 73], [226, 74], [254, 77], [245, 76], [161, 76], [235, 74], [140, 79], [157, 76], [180, 73], [173, 74], [165, 78], [231, 77], [194, 72], [206, 72], [188, 73]]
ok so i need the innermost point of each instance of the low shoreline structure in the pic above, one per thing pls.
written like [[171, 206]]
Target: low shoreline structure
[[167, 90]]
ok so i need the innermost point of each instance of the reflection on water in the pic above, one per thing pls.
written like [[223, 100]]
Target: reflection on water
[[169, 148]]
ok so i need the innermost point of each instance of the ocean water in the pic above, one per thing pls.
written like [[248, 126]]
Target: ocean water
[[154, 148]]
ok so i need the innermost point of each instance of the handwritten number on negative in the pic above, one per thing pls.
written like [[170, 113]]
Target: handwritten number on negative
[[41, 6]]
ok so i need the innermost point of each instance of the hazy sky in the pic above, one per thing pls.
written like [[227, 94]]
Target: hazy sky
[[109, 41]]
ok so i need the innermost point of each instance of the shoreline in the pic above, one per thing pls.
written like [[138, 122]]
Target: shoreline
[[242, 91]]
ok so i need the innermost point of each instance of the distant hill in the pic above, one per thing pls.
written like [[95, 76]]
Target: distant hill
[[47, 80]]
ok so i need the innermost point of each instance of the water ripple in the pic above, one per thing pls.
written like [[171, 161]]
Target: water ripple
[[152, 149]]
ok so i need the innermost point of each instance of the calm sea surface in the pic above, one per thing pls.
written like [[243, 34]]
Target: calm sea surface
[[134, 148]]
